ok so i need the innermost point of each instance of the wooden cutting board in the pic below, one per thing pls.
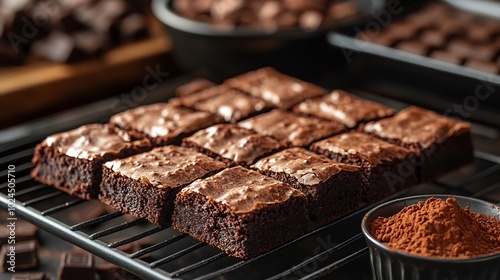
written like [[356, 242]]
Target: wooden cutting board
[[38, 87]]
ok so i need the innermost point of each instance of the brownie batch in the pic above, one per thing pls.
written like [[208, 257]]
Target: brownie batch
[[305, 14], [444, 33], [247, 174]]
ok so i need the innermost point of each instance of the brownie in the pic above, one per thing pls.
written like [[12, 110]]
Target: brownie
[[193, 87], [231, 104], [145, 185], [344, 108], [441, 144], [164, 123], [241, 212], [72, 161], [333, 189], [231, 144], [292, 129], [387, 167], [276, 88]]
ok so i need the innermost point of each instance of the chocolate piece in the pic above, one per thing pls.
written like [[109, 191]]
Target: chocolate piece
[[341, 10], [344, 108], [231, 104], [21, 255], [163, 123], [133, 27], [484, 52], [460, 47], [72, 161], [193, 86], [414, 47], [276, 88], [145, 185], [310, 20], [441, 144], [489, 67], [231, 144], [447, 56], [332, 189], [58, 47], [433, 38], [30, 276], [292, 129], [241, 212], [387, 167], [76, 266]]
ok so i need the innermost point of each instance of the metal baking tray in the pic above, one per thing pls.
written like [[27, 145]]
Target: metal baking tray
[[334, 250]]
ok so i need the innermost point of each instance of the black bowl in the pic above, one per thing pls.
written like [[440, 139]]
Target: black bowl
[[397, 265], [226, 51]]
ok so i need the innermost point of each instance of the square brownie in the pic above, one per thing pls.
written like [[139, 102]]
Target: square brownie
[[276, 88], [344, 108], [231, 104], [164, 123], [72, 161], [333, 189], [193, 86], [387, 167], [231, 144], [241, 212], [145, 185], [292, 129], [440, 144]]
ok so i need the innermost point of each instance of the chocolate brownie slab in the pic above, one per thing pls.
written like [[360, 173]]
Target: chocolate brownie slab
[[292, 129], [231, 104], [241, 212], [231, 144], [344, 108], [193, 86], [333, 189], [72, 161], [145, 185], [164, 123], [276, 88], [387, 167], [441, 144]]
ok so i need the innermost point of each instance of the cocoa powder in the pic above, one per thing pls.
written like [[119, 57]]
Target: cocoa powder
[[438, 228]]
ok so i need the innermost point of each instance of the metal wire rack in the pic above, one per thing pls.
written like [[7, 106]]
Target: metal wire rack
[[336, 249]]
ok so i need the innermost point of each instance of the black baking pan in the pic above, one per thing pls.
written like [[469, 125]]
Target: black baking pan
[[397, 74], [231, 51]]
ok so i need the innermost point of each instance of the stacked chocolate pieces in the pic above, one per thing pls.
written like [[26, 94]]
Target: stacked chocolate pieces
[[245, 165], [441, 32]]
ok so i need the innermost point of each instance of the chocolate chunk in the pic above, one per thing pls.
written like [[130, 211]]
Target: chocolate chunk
[[301, 5], [76, 266], [414, 47], [310, 20], [133, 27], [342, 10], [22, 254], [193, 87], [30, 276], [433, 38], [485, 66], [58, 47], [447, 56], [460, 47]]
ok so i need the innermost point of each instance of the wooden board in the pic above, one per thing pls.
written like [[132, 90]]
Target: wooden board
[[39, 87]]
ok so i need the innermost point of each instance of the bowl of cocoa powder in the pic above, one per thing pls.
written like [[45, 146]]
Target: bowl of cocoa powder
[[434, 237], [235, 36]]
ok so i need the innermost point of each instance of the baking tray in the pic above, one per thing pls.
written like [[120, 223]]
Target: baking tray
[[334, 250], [439, 77]]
